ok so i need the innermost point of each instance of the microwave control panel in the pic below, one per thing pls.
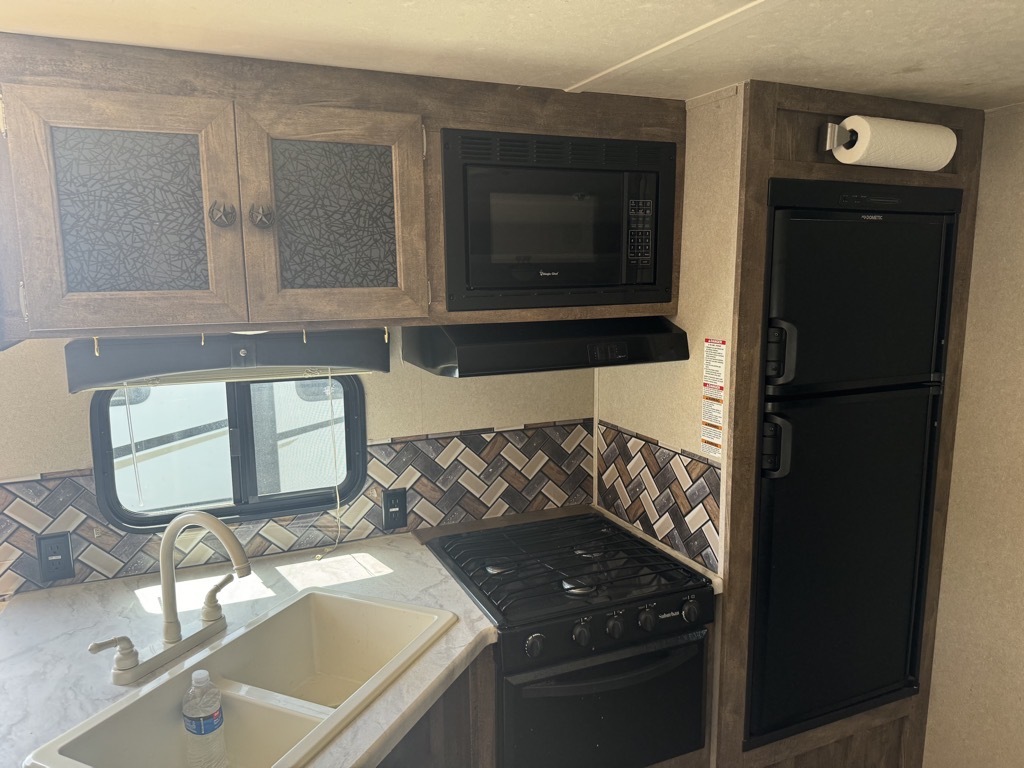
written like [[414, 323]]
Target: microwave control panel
[[640, 244]]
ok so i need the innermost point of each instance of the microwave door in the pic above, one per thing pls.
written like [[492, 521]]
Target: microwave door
[[541, 228]]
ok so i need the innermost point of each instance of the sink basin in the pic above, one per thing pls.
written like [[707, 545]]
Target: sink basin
[[258, 735], [325, 648], [291, 681]]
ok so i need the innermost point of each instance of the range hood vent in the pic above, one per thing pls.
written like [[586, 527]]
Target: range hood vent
[[461, 351], [115, 363]]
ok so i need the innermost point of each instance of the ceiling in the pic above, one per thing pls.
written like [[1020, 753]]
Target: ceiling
[[965, 53]]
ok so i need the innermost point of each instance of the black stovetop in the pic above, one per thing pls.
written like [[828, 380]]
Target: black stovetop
[[537, 571]]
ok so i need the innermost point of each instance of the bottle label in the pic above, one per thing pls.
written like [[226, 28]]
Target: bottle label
[[203, 725]]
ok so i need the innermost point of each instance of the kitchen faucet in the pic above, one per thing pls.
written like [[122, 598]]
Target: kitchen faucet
[[127, 667]]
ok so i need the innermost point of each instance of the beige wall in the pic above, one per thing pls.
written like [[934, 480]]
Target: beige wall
[[44, 428], [664, 401], [410, 401], [977, 704], [47, 430]]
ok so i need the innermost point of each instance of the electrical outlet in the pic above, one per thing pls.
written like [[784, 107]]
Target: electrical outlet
[[54, 552], [395, 512]]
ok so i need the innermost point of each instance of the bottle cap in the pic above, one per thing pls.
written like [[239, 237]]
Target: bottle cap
[[200, 677]]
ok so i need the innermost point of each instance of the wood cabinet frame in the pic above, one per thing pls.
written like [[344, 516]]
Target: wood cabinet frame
[[146, 73], [257, 124], [31, 112]]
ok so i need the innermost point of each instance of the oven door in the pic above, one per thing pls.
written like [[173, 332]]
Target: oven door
[[624, 709]]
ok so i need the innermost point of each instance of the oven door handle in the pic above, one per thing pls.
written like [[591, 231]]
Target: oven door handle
[[611, 682]]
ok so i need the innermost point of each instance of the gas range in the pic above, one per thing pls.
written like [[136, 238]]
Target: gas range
[[573, 587]]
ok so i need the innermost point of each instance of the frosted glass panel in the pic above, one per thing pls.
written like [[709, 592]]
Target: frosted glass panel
[[131, 210], [335, 214]]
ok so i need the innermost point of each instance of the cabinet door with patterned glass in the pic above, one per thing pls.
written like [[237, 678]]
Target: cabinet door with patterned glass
[[333, 202], [127, 208]]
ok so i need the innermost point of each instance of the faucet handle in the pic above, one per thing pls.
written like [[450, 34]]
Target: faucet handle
[[211, 606], [126, 656]]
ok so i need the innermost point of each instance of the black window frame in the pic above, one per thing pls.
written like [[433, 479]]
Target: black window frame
[[247, 505]]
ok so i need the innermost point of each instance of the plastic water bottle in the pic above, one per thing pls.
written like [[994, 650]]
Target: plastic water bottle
[[204, 724]]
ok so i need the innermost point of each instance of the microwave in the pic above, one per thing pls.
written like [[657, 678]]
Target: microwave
[[556, 221]]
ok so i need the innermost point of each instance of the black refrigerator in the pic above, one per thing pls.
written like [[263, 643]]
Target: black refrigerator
[[857, 297]]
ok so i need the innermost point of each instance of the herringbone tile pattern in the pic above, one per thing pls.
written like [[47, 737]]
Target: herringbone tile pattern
[[669, 495], [475, 474]]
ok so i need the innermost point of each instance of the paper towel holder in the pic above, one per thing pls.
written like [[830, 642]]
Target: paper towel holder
[[834, 135]]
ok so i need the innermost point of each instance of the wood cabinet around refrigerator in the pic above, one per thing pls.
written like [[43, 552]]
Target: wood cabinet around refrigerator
[[139, 210]]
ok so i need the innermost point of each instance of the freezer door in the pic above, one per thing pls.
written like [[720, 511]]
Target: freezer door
[[838, 560], [855, 299]]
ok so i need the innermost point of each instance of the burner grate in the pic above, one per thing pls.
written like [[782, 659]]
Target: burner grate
[[537, 570]]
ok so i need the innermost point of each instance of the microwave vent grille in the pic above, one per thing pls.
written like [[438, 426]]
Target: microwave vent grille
[[513, 150], [558, 152], [649, 155], [553, 152], [476, 148]]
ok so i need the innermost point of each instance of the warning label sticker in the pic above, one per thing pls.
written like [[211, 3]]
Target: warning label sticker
[[712, 416]]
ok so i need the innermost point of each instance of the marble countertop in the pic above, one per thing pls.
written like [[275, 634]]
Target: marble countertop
[[50, 683]]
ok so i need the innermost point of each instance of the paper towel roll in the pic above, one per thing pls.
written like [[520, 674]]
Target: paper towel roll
[[897, 144]]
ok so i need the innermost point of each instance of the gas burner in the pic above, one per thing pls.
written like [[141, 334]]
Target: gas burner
[[534, 571], [589, 551], [501, 567], [577, 586]]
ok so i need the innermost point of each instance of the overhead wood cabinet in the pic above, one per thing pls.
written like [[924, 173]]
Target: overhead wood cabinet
[[334, 212], [144, 210]]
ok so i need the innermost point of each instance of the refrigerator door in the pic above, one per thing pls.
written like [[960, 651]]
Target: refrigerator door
[[855, 299], [838, 562]]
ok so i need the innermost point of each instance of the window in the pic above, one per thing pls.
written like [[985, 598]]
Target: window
[[236, 450]]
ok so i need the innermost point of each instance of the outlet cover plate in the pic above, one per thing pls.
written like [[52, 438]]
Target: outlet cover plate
[[395, 512], [55, 559]]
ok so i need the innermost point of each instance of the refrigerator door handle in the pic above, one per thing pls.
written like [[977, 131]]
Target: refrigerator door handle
[[780, 352], [776, 446]]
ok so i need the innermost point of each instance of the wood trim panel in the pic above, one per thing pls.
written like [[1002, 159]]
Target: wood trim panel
[[31, 112], [442, 102], [883, 746], [970, 169], [780, 133], [810, 741], [740, 476], [13, 327], [459, 729], [257, 123]]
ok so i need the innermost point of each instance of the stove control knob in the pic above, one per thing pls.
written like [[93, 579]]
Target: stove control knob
[[691, 611], [647, 619], [535, 645], [614, 628], [581, 635]]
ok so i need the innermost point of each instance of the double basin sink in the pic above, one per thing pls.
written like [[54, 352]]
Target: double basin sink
[[291, 681]]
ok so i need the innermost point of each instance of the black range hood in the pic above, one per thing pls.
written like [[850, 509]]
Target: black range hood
[[461, 351]]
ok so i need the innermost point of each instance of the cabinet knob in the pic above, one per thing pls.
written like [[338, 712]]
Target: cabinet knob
[[261, 217], [223, 215]]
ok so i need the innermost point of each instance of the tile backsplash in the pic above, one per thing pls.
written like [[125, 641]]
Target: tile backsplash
[[671, 495], [449, 477]]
